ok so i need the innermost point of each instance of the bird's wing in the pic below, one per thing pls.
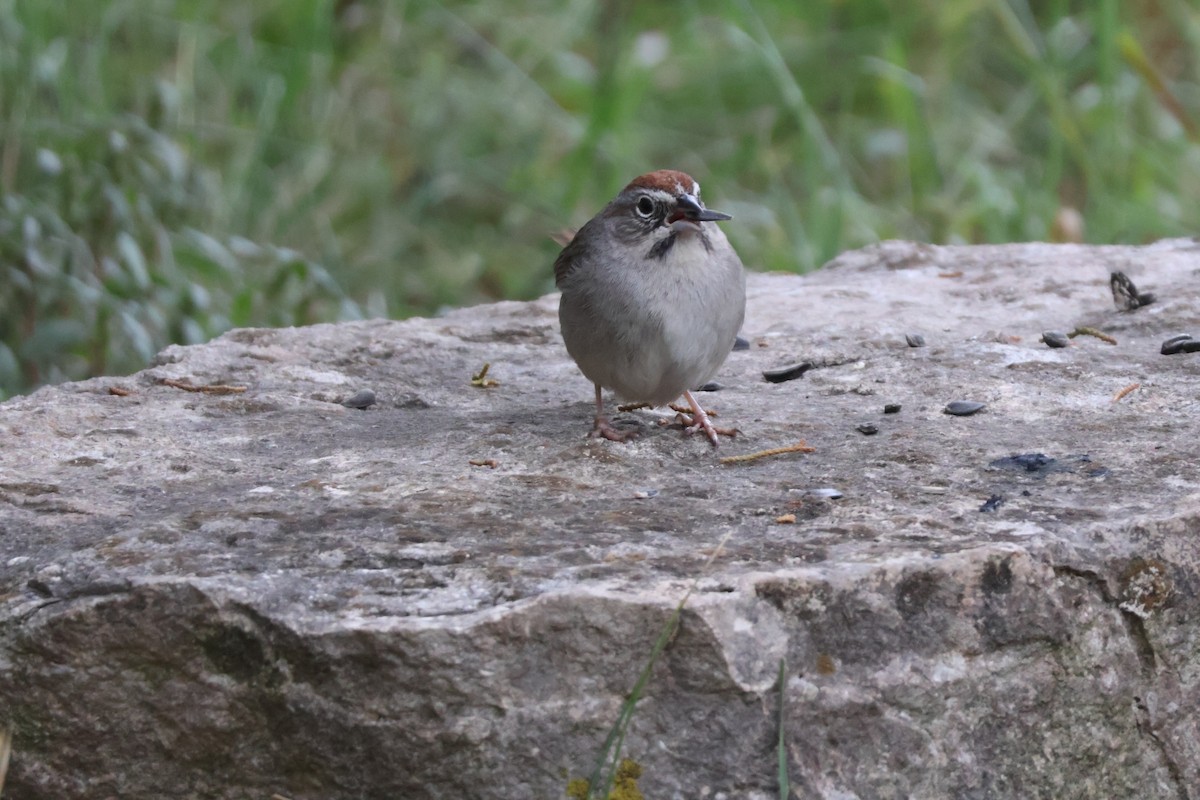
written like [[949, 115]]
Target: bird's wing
[[572, 257]]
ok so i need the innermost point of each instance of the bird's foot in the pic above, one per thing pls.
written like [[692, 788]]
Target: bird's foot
[[698, 421], [603, 429], [690, 426]]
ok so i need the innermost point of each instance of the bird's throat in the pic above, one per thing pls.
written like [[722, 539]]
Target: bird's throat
[[662, 247]]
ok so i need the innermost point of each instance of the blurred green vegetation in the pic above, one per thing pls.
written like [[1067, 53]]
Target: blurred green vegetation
[[171, 168]]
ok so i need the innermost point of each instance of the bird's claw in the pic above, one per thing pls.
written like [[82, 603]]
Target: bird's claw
[[698, 421], [603, 429], [690, 426]]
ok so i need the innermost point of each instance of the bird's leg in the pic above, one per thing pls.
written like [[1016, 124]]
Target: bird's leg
[[603, 428], [699, 421]]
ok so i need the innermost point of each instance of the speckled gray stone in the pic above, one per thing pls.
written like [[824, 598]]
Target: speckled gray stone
[[240, 595]]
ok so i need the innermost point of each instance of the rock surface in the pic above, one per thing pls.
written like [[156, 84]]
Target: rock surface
[[267, 592]]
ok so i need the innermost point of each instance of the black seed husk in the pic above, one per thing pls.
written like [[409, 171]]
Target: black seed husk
[[360, 399], [1055, 339], [787, 373], [963, 408], [1183, 343]]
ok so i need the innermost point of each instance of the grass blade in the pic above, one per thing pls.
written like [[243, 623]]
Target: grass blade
[[608, 763], [781, 750], [5, 752], [605, 773]]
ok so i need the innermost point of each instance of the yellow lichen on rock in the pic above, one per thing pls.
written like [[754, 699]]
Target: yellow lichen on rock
[[624, 784]]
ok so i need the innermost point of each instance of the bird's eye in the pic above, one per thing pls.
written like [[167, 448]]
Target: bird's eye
[[645, 207]]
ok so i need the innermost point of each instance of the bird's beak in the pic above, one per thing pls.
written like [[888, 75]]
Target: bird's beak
[[689, 208]]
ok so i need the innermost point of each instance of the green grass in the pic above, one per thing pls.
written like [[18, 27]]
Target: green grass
[[318, 159], [781, 752], [5, 754]]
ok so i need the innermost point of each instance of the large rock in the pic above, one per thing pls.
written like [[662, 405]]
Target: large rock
[[233, 595]]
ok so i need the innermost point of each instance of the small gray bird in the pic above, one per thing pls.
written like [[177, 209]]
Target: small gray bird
[[653, 296]]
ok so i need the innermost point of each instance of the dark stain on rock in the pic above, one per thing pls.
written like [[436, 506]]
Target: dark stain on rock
[[30, 488], [795, 598], [1037, 463], [235, 652], [997, 577], [83, 461], [914, 593], [516, 334], [992, 503]]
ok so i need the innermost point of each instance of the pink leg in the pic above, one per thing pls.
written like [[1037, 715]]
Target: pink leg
[[699, 421], [603, 428]]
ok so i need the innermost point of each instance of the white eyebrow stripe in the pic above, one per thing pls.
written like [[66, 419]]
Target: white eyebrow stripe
[[694, 192], [659, 194]]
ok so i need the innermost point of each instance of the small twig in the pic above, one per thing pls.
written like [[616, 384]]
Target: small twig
[[799, 447], [482, 380], [1101, 335], [786, 519], [484, 462], [955, 274], [119, 391], [1133, 387], [687, 412], [215, 388], [632, 407]]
